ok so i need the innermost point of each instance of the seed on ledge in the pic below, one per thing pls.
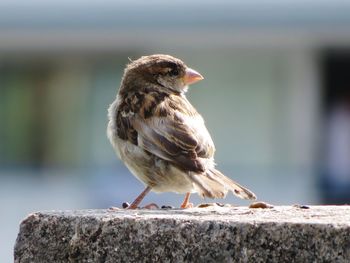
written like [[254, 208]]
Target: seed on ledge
[[260, 205], [125, 205], [167, 207], [302, 206]]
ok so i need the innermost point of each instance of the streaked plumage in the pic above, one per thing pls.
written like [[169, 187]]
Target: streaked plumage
[[160, 136]]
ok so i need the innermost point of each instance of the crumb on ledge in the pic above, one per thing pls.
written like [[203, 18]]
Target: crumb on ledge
[[260, 205]]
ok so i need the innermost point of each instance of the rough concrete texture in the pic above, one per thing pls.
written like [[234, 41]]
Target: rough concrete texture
[[211, 234]]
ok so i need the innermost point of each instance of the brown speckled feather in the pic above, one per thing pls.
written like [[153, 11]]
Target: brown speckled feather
[[167, 126]]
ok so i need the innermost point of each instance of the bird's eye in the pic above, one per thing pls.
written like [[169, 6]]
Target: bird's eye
[[174, 72]]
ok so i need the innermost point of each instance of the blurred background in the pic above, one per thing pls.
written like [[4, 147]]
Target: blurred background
[[275, 98]]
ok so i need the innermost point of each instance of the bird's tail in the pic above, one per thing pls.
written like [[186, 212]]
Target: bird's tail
[[214, 184]]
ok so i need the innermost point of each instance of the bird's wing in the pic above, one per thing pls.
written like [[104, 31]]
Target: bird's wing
[[175, 132]]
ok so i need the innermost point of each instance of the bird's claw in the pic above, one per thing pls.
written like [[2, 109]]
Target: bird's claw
[[188, 205]]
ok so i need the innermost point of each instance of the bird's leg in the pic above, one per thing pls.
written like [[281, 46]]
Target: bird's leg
[[138, 199], [185, 203]]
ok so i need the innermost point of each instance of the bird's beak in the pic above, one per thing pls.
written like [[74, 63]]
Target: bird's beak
[[191, 76]]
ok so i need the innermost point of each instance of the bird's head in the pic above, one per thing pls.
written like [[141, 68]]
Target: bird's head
[[163, 71]]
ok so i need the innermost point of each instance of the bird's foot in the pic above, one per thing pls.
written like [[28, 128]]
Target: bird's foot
[[188, 205]]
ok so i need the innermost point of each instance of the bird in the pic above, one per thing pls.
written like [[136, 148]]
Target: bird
[[160, 136]]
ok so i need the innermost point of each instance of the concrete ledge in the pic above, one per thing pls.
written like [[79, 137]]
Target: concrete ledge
[[212, 234]]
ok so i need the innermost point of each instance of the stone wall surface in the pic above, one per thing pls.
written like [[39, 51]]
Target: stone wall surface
[[211, 234]]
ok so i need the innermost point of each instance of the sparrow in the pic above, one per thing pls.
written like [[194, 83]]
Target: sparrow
[[160, 136]]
